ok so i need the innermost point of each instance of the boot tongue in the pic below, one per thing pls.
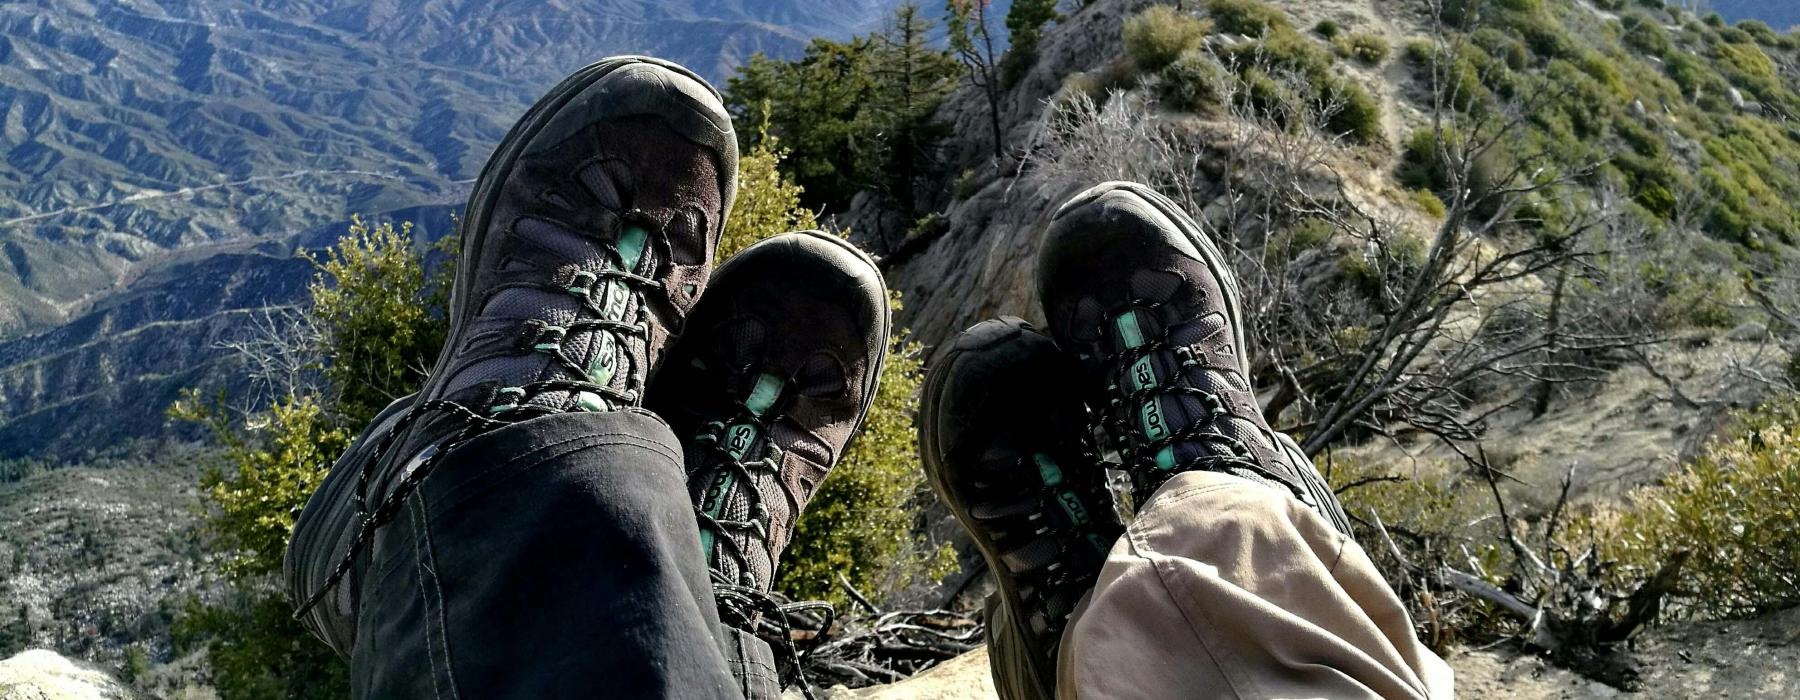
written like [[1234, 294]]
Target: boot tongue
[[1162, 415], [543, 321], [727, 499], [609, 360]]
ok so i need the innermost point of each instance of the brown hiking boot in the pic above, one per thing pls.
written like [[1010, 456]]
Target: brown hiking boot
[[767, 388], [1001, 429], [1151, 312], [588, 238]]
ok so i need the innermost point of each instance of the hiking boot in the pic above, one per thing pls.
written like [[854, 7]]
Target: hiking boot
[[1152, 314], [587, 240], [1001, 428], [767, 388]]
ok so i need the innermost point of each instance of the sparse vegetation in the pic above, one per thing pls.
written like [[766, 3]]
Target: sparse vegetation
[[1280, 67], [1160, 34], [1370, 49], [1730, 513]]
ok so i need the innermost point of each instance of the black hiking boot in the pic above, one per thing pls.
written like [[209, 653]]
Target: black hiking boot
[[767, 388], [587, 240], [1001, 429], [1152, 313]]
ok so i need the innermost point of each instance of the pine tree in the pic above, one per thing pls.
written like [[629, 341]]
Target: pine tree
[[911, 80], [812, 105], [1025, 26]]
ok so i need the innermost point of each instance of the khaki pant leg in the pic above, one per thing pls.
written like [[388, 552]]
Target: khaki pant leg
[[1226, 588]]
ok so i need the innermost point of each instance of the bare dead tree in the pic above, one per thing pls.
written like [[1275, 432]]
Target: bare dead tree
[[281, 351], [971, 37]]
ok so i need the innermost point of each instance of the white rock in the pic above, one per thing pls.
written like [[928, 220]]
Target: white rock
[[41, 674]]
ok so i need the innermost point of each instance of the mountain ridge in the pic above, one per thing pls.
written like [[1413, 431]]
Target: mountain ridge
[[139, 138]]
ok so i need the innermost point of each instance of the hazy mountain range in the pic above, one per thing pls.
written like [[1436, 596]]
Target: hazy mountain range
[[161, 160], [1780, 14]]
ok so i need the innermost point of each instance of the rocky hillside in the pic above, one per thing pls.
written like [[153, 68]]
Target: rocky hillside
[[975, 259], [96, 561], [1664, 115]]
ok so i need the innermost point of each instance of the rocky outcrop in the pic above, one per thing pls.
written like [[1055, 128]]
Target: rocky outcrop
[[979, 263], [41, 674]]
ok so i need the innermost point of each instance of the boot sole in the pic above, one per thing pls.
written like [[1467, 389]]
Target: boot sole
[[937, 474]]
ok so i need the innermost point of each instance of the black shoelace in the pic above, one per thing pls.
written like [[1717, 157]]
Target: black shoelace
[[744, 472], [769, 616], [1058, 579], [747, 604], [1139, 452]]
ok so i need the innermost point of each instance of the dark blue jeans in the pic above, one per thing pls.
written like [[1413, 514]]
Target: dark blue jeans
[[554, 558]]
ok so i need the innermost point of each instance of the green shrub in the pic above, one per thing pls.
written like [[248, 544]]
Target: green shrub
[[1286, 51], [1428, 202], [1434, 505], [967, 184], [1248, 17], [1732, 511], [1760, 31], [1160, 34], [1733, 35], [1504, 46], [256, 650], [1748, 61], [1288, 243], [1693, 76], [1691, 299], [1359, 114], [1421, 52], [1459, 84], [1371, 49], [264, 478], [1422, 162], [1644, 33], [381, 324], [1263, 93], [1328, 29], [768, 202], [1545, 36], [382, 318], [1192, 82]]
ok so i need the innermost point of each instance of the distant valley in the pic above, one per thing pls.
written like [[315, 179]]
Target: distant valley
[[162, 160]]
